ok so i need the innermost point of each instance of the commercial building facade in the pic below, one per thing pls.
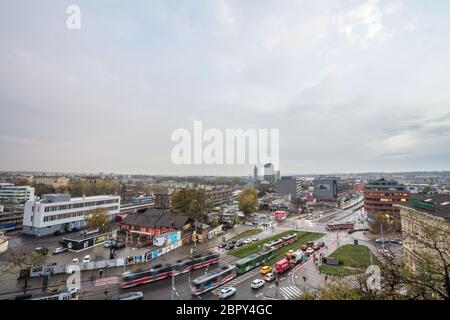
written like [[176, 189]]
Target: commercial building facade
[[380, 196], [325, 189], [156, 222], [424, 212], [62, 212], [11, 194], [289, 186]]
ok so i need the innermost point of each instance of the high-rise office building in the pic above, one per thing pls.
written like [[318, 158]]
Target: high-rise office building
[[269, 173], [255, 174], [381, 195]]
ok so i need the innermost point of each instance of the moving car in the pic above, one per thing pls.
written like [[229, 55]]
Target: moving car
[[382, 240], [226, 292], [309, 251], [265, 270], [129, 296], [270, 277], [87, 258], [257, 283], [59, 250]]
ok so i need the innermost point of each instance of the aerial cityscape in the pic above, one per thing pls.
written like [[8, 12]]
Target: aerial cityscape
[[224, 150]]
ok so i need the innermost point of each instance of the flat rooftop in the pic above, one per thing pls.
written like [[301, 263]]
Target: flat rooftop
[[435, 204]]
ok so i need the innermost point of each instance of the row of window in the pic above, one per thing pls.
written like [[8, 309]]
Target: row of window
[[71, 215], [79, 205]]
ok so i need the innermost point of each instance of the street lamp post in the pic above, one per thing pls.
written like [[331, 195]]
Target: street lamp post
[[173, 285]]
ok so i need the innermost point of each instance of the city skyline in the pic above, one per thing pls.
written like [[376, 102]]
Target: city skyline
[[353, 86]]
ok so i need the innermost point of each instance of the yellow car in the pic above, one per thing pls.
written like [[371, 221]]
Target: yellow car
[[265, 270]]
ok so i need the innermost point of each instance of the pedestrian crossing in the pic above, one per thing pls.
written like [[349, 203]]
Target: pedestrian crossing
[[290, 292]]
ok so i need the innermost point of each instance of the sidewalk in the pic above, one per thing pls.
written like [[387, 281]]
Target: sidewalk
[[314, 279]]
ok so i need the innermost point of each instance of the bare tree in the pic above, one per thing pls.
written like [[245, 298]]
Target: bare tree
[[18, 260]]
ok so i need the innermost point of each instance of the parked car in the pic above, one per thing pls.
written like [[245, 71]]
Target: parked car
[[42, 250], [226, 292], [75, 261], [397, 240], [255, 238], [129, 296], [119, 245], [321, 244], [382, 240], [59, 232], [229, 246], [249, 224], [240, 243], [108, 243], [87, 258], [387, 253], [76, 229], [304, 247], [257, 283], [265, 270], [270, 277], [222, 245], [59, 250], [248, 240]]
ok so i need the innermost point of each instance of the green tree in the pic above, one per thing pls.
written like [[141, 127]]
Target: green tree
[[248, 200], [192, 202], [298, 203], [97, 219]]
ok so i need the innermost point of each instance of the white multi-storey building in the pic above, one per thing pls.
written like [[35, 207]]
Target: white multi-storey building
[[11, 194], [56, 212]]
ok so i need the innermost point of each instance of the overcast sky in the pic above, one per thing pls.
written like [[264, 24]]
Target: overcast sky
[[352, 85]]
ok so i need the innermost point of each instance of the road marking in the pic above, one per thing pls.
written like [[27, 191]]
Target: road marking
[[269, 298], [106, 281], [291, 292]]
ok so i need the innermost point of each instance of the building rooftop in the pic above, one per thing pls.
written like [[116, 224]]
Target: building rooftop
[[157, 218], [435, 204]]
